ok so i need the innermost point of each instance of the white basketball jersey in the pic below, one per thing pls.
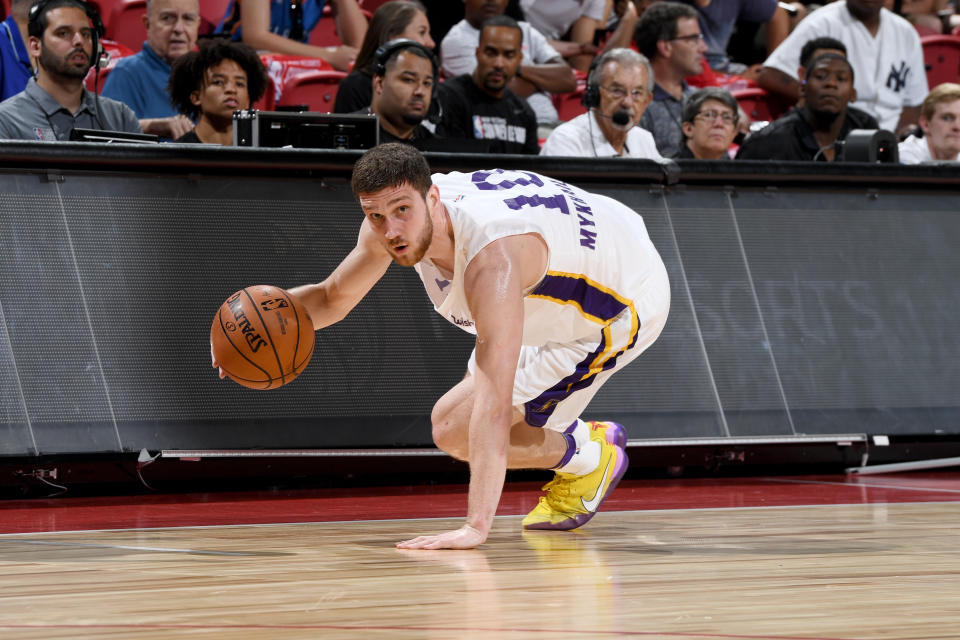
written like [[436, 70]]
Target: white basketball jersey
[[600, 255]]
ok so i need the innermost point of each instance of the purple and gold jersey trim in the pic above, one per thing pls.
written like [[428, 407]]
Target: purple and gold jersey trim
[[597, 304]]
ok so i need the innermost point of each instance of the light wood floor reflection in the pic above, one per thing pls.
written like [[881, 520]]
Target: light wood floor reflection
[[841, 572]]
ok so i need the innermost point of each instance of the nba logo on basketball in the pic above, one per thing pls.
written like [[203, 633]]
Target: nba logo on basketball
[[274, 304]]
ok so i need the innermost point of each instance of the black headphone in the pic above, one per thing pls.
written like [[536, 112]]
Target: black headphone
[[388, 49], [591, 95], [34, 28]]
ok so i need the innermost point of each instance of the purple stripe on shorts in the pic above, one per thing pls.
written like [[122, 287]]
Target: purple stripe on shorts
[[591, 299]]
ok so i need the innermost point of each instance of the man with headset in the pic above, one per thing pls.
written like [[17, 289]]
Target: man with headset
[[619, 88], [404, 75], [64, 42]]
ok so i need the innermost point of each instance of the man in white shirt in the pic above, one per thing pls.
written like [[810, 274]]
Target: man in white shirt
[[940, 122], [619, 88], [570, 26], [883, 48], [542, 70]]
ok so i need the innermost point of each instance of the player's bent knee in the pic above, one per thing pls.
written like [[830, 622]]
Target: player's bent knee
[[449, 439]]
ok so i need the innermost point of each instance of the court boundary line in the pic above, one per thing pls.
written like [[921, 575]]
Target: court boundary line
[[459, 517]]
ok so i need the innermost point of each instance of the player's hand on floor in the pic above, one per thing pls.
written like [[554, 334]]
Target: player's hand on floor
[[216, 365], [466, 537]]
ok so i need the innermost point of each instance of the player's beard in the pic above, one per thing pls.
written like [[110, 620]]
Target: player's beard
[[415, 252]]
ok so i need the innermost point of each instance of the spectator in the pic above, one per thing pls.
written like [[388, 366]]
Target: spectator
[[572, 25], [619, 88], [139, 81], [883, 48], [396, 19], [62, 41], [940, 123], [14, 61], [404, 74], [479, 105], [930, 17], [710, 118], [210, 84], [718, 19], [669, 35], [282, 26], [810, 132], [542, 70], [814, 49]]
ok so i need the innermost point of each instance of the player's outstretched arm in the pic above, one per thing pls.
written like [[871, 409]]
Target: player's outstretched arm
[[494, 283], [331, 300]]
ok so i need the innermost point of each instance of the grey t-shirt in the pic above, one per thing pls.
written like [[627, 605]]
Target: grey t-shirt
[[33, 114], [663, 119]]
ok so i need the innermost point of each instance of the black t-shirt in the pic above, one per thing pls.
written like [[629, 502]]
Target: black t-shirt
[[790, 137], [354, 93], [419, 133], [508, 122], [190, 137]]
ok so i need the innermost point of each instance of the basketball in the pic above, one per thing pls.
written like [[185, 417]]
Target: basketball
[[262, 337]]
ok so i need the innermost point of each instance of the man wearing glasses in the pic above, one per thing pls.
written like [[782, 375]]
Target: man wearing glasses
[[619, 88], [710, 118], [669, 35]]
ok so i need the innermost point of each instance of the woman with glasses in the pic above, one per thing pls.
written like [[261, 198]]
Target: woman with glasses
[[710, 118]]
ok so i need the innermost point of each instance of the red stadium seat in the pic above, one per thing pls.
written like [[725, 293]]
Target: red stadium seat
[[126, 23], [325, 33], [569, 105], [317, 89], [211, 13], [941, 55], [269, 100], [760, 105], [371, 5], [103, 8]]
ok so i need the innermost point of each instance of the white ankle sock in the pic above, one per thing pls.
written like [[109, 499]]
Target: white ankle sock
[[585, 460], [581, 433]]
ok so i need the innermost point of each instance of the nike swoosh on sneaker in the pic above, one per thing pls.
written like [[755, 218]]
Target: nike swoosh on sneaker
[[592, 504]]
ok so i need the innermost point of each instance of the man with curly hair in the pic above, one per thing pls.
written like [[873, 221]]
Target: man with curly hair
[[208, 85]]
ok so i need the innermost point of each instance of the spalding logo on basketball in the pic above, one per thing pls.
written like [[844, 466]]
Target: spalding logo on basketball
[[262, 337]]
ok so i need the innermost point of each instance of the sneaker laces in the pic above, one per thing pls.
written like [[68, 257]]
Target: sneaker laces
[[558, 488]]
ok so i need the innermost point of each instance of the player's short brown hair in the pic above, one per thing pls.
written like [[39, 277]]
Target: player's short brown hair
[[944, 92], [391, 165]]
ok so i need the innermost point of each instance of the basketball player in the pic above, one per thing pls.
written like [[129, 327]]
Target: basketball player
[[561, 287]]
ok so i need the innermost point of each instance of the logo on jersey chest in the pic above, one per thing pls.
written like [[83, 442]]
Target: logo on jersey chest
[[897, 79]]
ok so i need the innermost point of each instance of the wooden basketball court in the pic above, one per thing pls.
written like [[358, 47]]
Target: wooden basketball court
[[801, 558]]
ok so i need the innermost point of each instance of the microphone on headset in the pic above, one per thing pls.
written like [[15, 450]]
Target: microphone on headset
[[620, 117]]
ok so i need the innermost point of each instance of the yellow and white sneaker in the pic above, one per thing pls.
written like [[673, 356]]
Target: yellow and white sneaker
[[572, 500]]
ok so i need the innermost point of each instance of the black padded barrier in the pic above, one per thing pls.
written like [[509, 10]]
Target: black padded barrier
[[806, 300]]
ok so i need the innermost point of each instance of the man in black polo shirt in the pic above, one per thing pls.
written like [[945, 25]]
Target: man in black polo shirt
[[479, 105], [811, 132]]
